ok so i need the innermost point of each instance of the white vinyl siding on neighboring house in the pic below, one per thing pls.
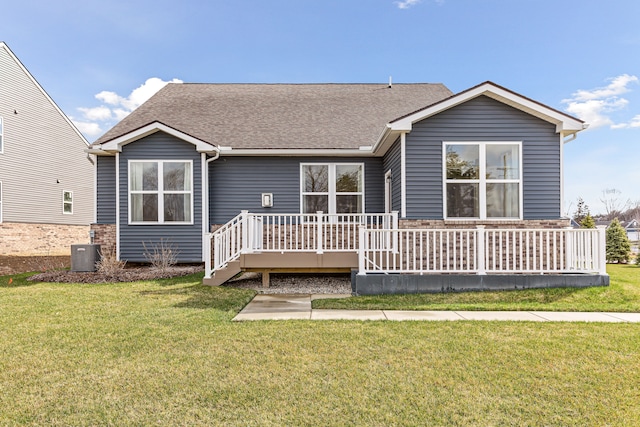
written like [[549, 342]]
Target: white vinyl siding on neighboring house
[[160, 192], [334, 188], [0, 201], [482, 180], [33, 181], [1, 135], [67, 202]]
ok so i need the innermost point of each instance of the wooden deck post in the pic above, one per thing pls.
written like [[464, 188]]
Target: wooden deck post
[[319, 235], [602, 249], [245, 232], [480, 249], [362, 246], [569, 248]]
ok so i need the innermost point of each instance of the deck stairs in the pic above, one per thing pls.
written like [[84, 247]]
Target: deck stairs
[[224, 274], [287, 243]]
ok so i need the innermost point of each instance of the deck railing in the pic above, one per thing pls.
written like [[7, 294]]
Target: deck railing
[[319, 233], [482, 251], [383, 248]]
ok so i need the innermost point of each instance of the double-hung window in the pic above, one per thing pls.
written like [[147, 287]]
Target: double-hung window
[[160, 192], [483, 180], [67, 202], [333, 188]]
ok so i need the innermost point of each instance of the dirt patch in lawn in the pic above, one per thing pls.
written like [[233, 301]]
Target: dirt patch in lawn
[[55, 269], [24, 264]]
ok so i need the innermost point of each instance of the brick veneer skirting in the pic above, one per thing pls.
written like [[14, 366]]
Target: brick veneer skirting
[[22, 239], [105, 236], [510, 224]]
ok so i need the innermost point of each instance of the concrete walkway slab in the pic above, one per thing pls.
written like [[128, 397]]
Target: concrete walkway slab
[[500, 315], [298, 307], [347, 315], [277, 307], [400, 315], [558, 316], [627, 317], [291, 315]]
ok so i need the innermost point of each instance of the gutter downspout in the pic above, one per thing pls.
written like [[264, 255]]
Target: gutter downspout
[[205, 204]]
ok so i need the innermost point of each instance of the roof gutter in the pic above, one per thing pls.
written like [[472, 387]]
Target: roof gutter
[[228, 151]]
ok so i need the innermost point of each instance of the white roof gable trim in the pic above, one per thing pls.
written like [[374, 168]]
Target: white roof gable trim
[[115, 145], [565, 125]]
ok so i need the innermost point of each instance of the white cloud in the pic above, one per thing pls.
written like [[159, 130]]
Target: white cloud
[[406, 4], [116, 107], [97, 113], [633, 123], [110, 98], [91, 130], [618, 86], [596, 106]]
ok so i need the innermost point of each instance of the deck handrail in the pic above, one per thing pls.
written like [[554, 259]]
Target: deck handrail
[[483, 251], [223, 245], [318, 232]]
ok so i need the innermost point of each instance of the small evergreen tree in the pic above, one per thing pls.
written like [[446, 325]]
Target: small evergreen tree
[[582, 210], [618, 246], [588, 222]]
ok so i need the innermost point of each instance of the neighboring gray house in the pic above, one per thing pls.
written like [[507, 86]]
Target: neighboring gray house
[[46, 177], [319, 169]]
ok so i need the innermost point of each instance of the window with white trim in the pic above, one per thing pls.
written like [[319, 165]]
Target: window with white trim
[[1, 134], [483, 180], [160, 192], [333, 188], [67, 202]]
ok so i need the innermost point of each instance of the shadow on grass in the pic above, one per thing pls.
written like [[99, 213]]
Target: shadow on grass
[[207, 297]]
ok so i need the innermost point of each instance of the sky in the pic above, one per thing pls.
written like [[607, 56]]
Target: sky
[[99, 60]]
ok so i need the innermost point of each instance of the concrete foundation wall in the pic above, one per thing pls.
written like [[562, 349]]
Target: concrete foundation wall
[[379, 284], [21, 239]]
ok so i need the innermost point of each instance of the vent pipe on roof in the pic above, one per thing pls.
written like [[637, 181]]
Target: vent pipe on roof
[[390, 82]]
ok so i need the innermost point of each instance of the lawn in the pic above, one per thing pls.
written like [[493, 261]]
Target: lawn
[[166, 353], [623, 295]]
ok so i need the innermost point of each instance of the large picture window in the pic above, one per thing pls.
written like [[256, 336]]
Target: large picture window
[[483, 180], [160, 192], [334, 188]]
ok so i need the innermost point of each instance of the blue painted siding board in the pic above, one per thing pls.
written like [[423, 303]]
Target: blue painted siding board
[[483, 119], [236, 183], [185, 239], [392, 161], [106, 190]]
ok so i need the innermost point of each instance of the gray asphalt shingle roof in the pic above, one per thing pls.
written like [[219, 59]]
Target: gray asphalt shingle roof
[[283, 116]]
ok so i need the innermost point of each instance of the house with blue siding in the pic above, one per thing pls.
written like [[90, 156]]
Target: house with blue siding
[[409, 186]]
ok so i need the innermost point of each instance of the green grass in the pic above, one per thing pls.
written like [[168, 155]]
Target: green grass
[[166, 353], [623, 295]]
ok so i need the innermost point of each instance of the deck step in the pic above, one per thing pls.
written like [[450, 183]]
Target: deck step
[[224, 274]]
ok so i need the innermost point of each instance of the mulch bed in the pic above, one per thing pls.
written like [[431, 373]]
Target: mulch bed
[[53, 270], [125, 275]]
